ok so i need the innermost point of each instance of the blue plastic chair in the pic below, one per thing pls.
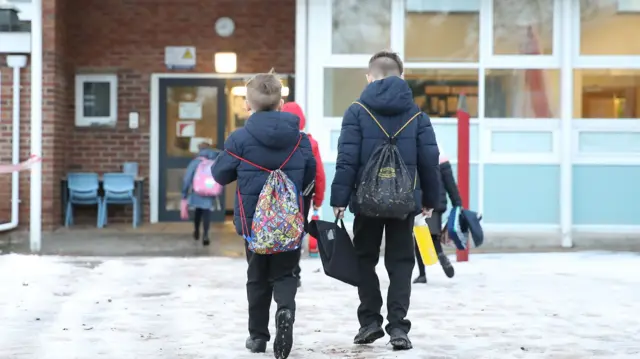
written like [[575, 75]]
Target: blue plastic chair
[[83, 190], [119, 188]]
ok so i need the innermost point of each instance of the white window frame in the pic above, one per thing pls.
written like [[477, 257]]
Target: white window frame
[[519, 61], [111, 120], [579, 125], [603, 126], [492, 126], [326, 46], [583, 62]]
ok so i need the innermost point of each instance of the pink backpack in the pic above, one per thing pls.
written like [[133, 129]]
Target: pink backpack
[[203, 182]]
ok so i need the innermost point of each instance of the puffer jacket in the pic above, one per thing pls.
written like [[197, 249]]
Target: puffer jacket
[[390, 100], [267, 140]]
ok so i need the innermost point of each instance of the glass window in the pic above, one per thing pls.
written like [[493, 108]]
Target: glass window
[[606, 94], [191, 117], [437, 91], [341, 88], [96, 99], [360, 26], [531, 93], [523, 27], [442, 31], [605, 27]]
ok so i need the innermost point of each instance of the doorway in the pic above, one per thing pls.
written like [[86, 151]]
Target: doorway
[[187, 109], [192, 111]]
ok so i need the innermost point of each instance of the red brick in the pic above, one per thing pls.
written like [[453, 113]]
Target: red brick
[[127, 37]]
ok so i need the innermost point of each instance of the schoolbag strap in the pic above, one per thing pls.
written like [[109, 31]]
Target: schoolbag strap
[[263, 168], [382, 128], [247, 161], [372, 117], [407, 123], [243, 216], [292, 152]]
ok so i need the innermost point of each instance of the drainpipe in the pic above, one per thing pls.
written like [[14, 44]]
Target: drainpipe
[[35, 205], [16, 62]]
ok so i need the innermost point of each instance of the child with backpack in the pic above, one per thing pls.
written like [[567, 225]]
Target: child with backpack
[[316, 194], [200, 191], [272, 162]]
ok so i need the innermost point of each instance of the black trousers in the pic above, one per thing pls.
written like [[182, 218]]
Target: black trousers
[[307, 208], [202, 216], [269, 276], [399, 262]]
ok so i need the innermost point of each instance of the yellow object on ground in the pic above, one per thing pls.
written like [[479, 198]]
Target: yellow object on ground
[[425, 245]]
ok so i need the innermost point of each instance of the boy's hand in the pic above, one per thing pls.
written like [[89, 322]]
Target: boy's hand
[[427, 212], [315, 208], [338, 212]]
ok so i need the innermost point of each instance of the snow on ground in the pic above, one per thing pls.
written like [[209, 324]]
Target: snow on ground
[[563, 305]]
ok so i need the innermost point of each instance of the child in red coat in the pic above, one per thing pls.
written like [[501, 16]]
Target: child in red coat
[[315, 195]]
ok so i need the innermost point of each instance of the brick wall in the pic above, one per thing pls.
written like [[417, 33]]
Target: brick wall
[[54, 129], [128, 37]]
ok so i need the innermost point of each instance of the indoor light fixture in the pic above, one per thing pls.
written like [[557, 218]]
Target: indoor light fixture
[[242, 91], [225, 62]]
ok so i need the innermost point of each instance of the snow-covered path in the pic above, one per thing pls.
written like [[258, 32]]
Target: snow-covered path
[[564, 306]]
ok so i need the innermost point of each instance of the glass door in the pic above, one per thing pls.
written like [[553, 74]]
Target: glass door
[[192, 112]]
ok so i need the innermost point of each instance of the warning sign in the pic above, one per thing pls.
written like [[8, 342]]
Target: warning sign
[[180, 57]]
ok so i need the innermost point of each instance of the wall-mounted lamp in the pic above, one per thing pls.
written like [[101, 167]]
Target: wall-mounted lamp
[[242, 91], [225, 62]]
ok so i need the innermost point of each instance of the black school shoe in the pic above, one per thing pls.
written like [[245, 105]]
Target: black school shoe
[[284, 334], [368, 334], [256, 345], [205, 240], [446, 265], [399, 340], [420, 280]]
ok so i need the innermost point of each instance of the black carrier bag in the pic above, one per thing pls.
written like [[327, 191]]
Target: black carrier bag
[[386, 186], [337, 253]]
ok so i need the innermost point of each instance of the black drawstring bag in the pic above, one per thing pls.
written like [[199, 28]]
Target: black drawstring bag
[[337, 253], [386, 187]]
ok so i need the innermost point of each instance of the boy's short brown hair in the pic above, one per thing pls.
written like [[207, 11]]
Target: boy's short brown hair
[[264, 92], [384, 64]]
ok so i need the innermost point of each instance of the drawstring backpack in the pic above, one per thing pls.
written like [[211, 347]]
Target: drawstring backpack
[[278, 222]]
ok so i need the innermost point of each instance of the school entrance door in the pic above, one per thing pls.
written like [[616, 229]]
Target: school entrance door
[[192, 111]]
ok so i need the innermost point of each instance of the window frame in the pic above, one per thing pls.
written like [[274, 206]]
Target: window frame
[[585, 62], [519, 61], [85, 121]]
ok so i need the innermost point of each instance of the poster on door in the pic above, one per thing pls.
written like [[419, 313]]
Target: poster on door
[[185, 128], [190, 110]]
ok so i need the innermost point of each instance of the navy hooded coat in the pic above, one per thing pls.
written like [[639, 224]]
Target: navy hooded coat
[[267, 139], [390, 100]]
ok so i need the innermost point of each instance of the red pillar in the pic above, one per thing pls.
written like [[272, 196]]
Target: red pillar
[[463, 162]]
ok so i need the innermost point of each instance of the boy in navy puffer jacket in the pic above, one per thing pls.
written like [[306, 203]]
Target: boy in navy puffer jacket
[[268, 140]]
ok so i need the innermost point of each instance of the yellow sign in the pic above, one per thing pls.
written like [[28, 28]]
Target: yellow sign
[[187, 54]]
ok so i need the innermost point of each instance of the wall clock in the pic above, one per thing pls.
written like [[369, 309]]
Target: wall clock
[[225, 26]]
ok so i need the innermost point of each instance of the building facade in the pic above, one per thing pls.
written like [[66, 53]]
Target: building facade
[[554, 95], [553, 88]]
